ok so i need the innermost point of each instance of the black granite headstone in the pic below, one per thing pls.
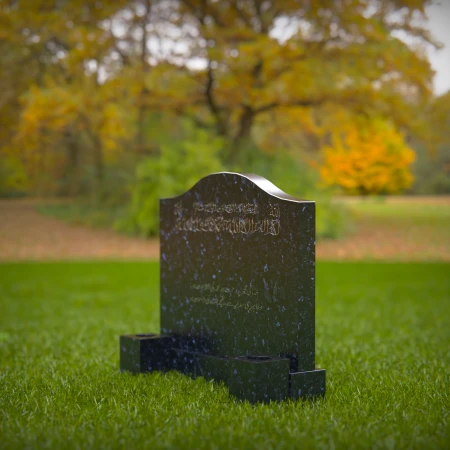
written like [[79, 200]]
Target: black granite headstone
[[237, 290]]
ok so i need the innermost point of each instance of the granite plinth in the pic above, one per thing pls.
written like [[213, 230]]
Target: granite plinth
[[252, 378]]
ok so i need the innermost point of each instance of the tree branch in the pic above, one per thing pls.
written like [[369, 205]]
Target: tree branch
[[195, 119], [215, 110], [276, 104], [241, 14]]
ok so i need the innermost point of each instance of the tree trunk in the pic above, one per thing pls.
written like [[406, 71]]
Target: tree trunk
[[73, 164], [98, 162], [242, 138]]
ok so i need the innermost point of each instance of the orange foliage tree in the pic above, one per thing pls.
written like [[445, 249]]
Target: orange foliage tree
[[368, 160]]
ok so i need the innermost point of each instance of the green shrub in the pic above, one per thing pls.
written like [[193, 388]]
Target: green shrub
[[179, 165]]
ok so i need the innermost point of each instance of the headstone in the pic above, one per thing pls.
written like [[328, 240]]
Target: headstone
[[237, 291]]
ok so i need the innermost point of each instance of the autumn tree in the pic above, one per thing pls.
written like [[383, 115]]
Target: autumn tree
[[62, 44], [249, 59], [274, 73], [87, 62], [371, 158]]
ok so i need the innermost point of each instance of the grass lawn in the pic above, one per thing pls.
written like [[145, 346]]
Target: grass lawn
[[416, 217], [402, 229], [418, 212], [83, 213], [383, 334]]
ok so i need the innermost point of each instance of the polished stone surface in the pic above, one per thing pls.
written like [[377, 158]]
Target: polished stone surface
[[237, 289]]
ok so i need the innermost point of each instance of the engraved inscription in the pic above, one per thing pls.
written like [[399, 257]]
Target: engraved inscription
[[209, 288], [224, 297], [233, 226], [206, 218], [274, 210], [240, 208]]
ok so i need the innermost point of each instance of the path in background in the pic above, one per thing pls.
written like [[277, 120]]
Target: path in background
[[392, 230], [27, 235], [395, 228]]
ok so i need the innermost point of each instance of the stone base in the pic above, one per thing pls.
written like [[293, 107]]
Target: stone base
[[307, 384], [259, 379], [145, 352], [252, 378]]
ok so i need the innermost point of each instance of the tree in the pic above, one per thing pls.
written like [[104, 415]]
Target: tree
[[251, 71], [264, 56], [70, 117], [366, 159], [59, 104]]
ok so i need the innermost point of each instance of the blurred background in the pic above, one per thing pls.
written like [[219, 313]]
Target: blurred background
[[106, 106]]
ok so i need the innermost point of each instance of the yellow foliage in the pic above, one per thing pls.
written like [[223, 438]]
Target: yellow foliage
[[49, 111], [12, 172], [372, 159]]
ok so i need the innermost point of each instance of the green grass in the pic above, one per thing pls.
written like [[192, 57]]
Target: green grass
[[422, 213], [422, 225], [383, 334], [94, 216]]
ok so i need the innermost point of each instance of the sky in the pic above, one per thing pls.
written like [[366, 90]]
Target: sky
[[439, 25]]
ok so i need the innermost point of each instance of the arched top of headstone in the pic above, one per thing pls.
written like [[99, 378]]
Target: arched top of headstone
[[261, 182]]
